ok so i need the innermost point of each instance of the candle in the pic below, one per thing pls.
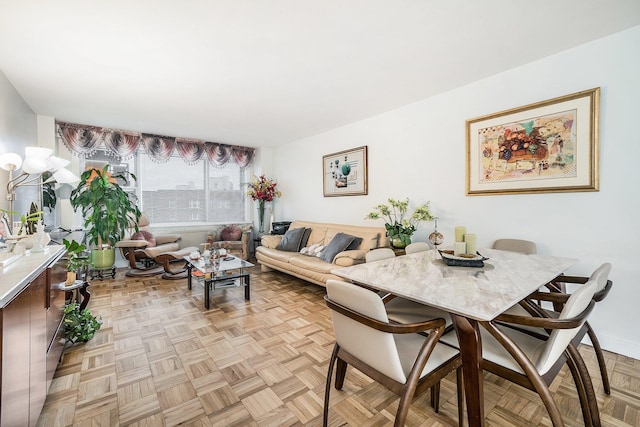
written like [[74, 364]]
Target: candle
[[460, 231], [471, 241], [459, 248]]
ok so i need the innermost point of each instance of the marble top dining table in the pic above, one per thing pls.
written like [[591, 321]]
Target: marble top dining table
[[470, 294]]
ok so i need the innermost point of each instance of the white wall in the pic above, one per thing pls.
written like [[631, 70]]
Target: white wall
[[18, 129], [418, 151]]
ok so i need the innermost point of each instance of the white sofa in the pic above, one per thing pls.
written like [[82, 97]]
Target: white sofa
[[312, 268]]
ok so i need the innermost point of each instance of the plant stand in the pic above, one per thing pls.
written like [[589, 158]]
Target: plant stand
[[102, 273]]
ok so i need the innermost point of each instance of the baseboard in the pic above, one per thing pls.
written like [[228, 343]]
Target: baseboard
[[617, 345]]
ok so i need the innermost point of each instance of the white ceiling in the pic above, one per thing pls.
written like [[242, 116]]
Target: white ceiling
[[267, 72]]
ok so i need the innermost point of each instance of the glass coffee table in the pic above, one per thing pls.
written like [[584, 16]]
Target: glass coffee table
[[227, 273]]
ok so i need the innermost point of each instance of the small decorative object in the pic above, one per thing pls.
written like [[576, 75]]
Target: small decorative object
[[463, 260], [471, 241], [549, 146], [436, 238], [262, 190], [400, 229], [459, 248], [459, 232], [345, 173], [40, 238], [79, 325]]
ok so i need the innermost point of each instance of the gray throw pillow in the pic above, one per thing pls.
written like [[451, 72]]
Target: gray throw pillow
[[339, 243], [291, 240], [305, 238], [354, 244]]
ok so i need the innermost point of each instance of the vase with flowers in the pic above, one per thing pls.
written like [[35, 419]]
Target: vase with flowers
[[399, 227], [262, 190]]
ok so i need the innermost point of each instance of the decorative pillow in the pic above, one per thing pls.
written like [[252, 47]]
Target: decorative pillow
[[354, 244], [305, 237], [145, 235], [291, 240], [339, 243], [231, 233]]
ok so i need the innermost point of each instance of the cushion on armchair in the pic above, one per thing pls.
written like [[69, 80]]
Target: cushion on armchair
[[231, 233], [145, 235]]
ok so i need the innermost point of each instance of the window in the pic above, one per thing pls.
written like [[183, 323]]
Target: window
[[176, 192]]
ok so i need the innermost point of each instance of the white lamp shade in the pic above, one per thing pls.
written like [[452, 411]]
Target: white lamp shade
[[34, 165], [10, 161], [56, 163], [65, 176], [37, 152]]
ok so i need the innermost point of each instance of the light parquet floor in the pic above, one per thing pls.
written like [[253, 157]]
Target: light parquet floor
[[161, 359]]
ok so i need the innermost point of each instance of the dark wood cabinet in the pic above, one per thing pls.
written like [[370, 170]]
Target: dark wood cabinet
[[24, 346], [31, 341]]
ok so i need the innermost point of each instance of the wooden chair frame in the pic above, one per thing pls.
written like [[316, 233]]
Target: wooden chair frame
[[532, 378], [414, 385]]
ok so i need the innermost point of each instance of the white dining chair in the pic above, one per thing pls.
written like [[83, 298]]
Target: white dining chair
[[416, 247], [378, 254], [515, 245], [558, 285], [407, 359], [534, 360]]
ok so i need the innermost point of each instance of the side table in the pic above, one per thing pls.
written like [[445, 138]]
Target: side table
[[79, 292]]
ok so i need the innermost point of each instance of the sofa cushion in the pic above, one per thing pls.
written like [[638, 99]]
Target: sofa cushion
[[311, 263], [231, 233], [291, 240], [145, 235], [339, 243]]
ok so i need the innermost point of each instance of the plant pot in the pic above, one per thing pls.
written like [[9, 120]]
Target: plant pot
[[397, 243], [71, 278], [103, 258]]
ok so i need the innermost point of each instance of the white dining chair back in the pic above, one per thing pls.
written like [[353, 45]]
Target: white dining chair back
[[416, 247], [601, 275], [377, 349], [515, 245], [559, 339], [378, 254]]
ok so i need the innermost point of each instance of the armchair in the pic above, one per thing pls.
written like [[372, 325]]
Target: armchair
[[232, 237], [142, 248]]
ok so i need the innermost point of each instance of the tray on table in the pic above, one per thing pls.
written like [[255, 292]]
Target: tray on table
[[462, 261]]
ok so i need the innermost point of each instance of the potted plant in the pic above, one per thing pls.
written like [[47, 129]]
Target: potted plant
[[400, 229], [79, 325], [108, 211], [262, 190], [76, 261]]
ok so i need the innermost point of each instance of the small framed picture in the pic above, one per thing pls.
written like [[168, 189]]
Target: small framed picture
[[345, 173]]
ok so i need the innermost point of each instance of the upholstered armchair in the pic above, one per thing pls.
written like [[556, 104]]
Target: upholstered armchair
[[143, 247], [232, 237]]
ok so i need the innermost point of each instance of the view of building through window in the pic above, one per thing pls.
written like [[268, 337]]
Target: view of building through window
[[177, 192]]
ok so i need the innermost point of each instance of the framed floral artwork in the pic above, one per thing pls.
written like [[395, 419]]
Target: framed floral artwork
[[550, 146], [345, 173]]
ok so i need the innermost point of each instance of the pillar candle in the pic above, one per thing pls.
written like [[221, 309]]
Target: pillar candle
[[460, 231], [459, 248], [471, 241]]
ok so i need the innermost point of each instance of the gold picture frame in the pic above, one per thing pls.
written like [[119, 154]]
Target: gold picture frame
[[546, 147], [345, 173]]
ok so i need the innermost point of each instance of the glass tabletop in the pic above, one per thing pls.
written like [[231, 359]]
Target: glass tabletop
[[230, 262]]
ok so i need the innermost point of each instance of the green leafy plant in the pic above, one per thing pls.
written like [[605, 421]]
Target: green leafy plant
[[79, 325], [75, 259], [397, 225], [49, 198], [108, 210], [29, 221]]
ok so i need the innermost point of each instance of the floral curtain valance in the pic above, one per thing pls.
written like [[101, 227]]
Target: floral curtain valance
[[85, 140]]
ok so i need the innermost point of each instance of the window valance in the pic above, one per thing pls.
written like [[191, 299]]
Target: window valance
[[85, 140]]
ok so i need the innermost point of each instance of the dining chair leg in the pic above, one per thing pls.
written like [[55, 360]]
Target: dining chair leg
[[327, 387], [460, 385], [588, 384], [341, 373], [435, 397], [582, 395], [600, 356]]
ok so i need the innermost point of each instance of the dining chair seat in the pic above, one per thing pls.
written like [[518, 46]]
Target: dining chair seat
[[402, 310]]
